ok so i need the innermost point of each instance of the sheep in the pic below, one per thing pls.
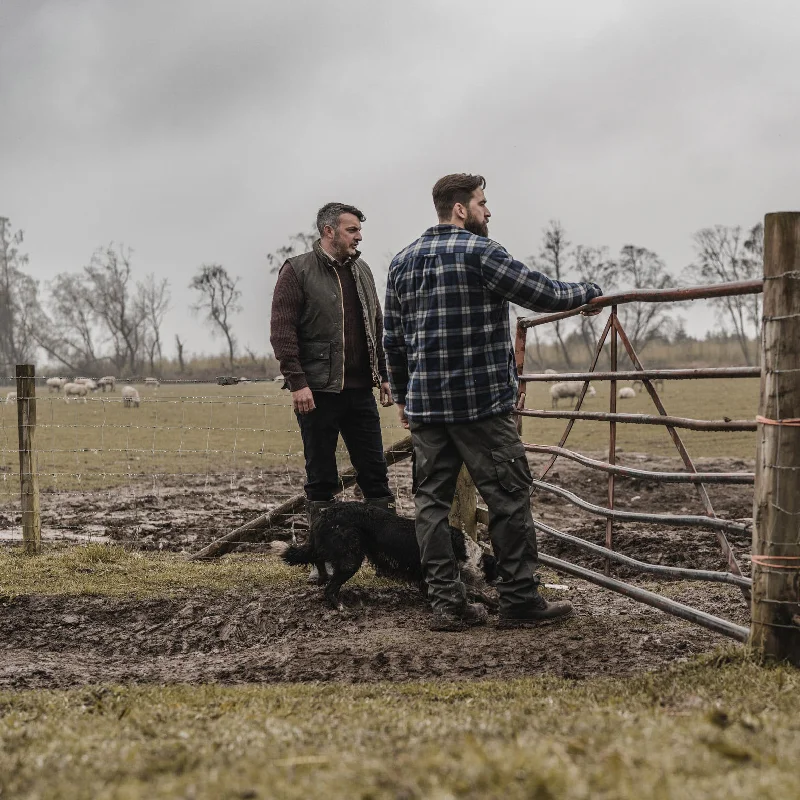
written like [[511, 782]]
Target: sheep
[[11, 397], [130, 397], [107, 381], [550, 372], [154, 382], [90, 385], [244, 380], [566, 389], [77, 390], [658, 383], [55, 384], [279, 379], [626, 393]]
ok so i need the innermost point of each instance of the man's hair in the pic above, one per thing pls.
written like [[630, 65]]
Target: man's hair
[[329, 215], [452, 189]]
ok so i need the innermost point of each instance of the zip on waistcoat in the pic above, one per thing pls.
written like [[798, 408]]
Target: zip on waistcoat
[[341, 303]]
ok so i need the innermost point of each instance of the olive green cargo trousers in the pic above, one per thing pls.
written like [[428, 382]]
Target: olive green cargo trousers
[[495, 458]]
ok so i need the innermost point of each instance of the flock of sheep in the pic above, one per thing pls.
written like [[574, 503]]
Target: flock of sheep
[[571, 390], [79, 388]]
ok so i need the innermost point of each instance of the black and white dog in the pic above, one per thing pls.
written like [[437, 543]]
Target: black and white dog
[[346, 533]]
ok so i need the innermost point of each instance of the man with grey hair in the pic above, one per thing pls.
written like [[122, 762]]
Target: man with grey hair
[[327, 332]]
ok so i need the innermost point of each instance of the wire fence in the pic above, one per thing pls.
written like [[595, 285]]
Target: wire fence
[[179, 468]]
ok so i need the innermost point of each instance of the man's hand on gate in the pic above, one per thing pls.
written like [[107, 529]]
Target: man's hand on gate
[[386, 395], [401, 411], [303, 400]]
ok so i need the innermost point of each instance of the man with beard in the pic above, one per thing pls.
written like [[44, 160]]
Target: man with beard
[[451, 367], [326, 331]]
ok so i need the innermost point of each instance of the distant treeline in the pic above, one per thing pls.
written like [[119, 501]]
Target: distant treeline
[[684, 352], [103, 319]]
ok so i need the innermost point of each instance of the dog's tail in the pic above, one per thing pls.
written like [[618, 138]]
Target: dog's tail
[[293, 554]]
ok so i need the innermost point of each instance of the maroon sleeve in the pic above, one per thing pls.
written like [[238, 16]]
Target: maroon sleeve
[[287, 305]]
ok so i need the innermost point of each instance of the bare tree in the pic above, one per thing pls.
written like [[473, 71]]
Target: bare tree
[[153, 298], [110, 296], [72, 334], [299, 243], [552, 261], [218, 299], [20, 312], [640, 268], [591, 264], [725, 254]]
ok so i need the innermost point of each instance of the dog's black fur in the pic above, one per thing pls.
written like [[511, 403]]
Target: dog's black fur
[[346, 533]]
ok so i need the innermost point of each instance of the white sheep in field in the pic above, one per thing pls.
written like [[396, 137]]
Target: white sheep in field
[[279, 379], [550, 372], [55, 384], [626, 393], [107, 381], [658, 383], [569, 389], [153, 382], [76, 390], [130, 397], [11, 397], [90, 385]]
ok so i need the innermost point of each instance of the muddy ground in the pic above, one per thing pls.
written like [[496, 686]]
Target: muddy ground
[[288, 634]]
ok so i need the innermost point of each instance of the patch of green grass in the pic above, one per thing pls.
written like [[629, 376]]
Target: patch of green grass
[[724, 727], [191, 429], [98, 569], [180, 429], [699, 399]]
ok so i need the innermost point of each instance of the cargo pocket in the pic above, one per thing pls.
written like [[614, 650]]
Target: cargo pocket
[[315, 359], [512, 468]]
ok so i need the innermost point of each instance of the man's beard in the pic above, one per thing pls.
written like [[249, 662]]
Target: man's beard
[[340, 249], [476, 226]]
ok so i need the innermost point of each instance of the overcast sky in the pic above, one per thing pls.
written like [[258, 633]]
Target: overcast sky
[[206, 131]]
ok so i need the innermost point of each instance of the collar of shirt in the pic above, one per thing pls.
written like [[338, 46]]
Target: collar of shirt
[[332, 261], [444, 229]]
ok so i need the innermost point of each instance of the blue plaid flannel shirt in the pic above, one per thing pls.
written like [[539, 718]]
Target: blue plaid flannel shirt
[[447, 333]]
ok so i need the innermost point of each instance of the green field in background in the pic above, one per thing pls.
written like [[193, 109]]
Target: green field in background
[[205, 428]]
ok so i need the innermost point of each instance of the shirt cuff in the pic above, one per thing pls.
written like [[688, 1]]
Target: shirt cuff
[[296, 382]]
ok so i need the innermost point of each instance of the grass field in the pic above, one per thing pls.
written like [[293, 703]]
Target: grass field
[[720, 726], [205, 428], [711, 730]]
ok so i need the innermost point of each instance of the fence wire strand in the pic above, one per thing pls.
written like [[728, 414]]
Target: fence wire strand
[[194, 461]]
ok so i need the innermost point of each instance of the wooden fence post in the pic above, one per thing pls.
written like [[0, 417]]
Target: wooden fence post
[[775, 629], [463, 514], [28, 475]]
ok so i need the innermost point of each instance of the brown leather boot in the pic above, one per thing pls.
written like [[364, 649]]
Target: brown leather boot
[[534, 613]]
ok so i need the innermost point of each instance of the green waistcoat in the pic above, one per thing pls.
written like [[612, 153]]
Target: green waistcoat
[[321, 328]]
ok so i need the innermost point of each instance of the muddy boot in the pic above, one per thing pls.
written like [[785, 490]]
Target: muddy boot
[[386, 503], [533, 613], [459, 619], [313, 509]]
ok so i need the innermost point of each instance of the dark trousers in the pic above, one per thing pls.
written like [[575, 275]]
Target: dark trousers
[[353, 413], [495, 458]]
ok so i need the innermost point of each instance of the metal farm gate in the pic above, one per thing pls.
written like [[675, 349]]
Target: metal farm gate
[[614, 334]]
